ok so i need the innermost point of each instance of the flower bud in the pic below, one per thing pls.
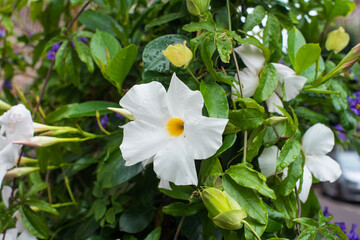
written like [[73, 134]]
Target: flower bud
[[178, 54], [223, 209], [21, 171], [275, 120], [198, 7], [4, 106], [44, 141], [123, 112], [337, 40]]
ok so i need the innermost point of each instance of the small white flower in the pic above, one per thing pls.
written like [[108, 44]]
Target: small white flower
[[169, 130], [12, 234], [316, 143], [15, 124], [254, 59]]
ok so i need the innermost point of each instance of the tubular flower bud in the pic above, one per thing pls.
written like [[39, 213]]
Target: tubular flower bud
[[337, 40], [223, 209], [44, 141], [197, 7], [123, 112], [4, 106], [21, 171], [178, 54]]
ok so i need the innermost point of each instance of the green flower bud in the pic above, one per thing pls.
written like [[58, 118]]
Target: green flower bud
[[223, 209], [275, 120], [198, 7], [337, 40]]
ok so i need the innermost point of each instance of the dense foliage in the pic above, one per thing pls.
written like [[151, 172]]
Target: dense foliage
[[71, 181]]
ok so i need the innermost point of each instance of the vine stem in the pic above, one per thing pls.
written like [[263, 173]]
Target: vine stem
[[40, 99], [299, 209], [193, 76], [252, 230], [179, 228]]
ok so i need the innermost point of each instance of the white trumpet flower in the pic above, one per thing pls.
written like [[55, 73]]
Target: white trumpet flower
[[169, 130]]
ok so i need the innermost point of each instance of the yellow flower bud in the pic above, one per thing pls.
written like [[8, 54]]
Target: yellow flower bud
[[337, 40], [223, 209], [4, 106], [178, 54], [197, 7]]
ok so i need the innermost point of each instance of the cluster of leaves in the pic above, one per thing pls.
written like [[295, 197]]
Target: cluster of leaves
[[84, 190]]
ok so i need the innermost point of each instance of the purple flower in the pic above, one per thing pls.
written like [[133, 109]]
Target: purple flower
[[342, 226], [340, 133], [83, 39], [104, 121], [352, 235], [7, 84], [52, 52], [326, 212], [354, 103], [2, 32]]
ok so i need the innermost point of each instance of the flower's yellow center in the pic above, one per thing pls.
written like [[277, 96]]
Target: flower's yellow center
[[175, 126], [357, 106]]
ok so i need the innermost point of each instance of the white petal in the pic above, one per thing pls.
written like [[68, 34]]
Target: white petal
[[182, 101], [147, 102], [249, 81], [5, 194], [19, 224], [164, 184], [318, 140], [11, 234], [203, 136], [174, 164], [253, 57], [306, 185], [25, 235], [293, 85], [8, 157], [267, 160], [323, 167], [272, 101], [283, 71], [142, 140], [147, 161]]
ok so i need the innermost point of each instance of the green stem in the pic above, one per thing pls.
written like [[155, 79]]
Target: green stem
[[229, 14], [179, 228], [189, 71], [245, 145], [252, 230]]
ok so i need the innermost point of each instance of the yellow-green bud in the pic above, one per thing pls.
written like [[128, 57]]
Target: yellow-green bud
[[275, 120], [123, 112], [178, 54], [198, 7], [21, 171], [223, 209], [4, 106], [337, 40], [44, 141]]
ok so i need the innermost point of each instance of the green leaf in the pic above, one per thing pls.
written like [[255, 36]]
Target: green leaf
[[85, 109], [101, 43], [276, 220], [153, 57], [257, 227], [84, 54], [121, 64], [247, 199], [224, 46], [244, 175], [154, 235], [336, 228], [197, 26], [164, 19], [60, 57], [289, 153], [114, 172], [255, 143], [306, 56], [207, 50], [215, 99], [255, 18], [34, 223], [339, 102], [42, 205], [286, 205], [183, 209], [72, 67], [228, 141], [267, 83], [308, 234], [210, 172], [134, 220], [348, 120], [246, 119], [336, 8], [178, 192], [295, 41], [294, 173], [35, 188], [310, 115], [308, 222], [94, 20], [272, 38]]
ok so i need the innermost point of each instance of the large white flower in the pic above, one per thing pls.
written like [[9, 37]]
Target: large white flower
[[169, 130], [316, 143], [12, 233], [289, 83], [15, 124]]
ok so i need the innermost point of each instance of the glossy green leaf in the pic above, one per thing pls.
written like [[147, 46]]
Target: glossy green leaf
[[178, 192], [207, 50], [210, 172], [103, 43], [276, 220], [34, 223], [183, 209], [164, 19], [289, 153], [310, 115], [267, 83], [42, 205], [84, 54], [255, 142], [286, 205], [154, 235], [306, 56], [272, 38], [246, 176], [94, 20], [228, 142], [339, 102], [197, 26], [295, 171], [224, 46], [255, 18], [134, 220], [295, 41], [246, 118], [215, 99], [335, 8]]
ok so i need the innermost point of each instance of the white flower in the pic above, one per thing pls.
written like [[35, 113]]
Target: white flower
[[169, 130], [15, 124], [254, 59], [12, 234], [316, 143]]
